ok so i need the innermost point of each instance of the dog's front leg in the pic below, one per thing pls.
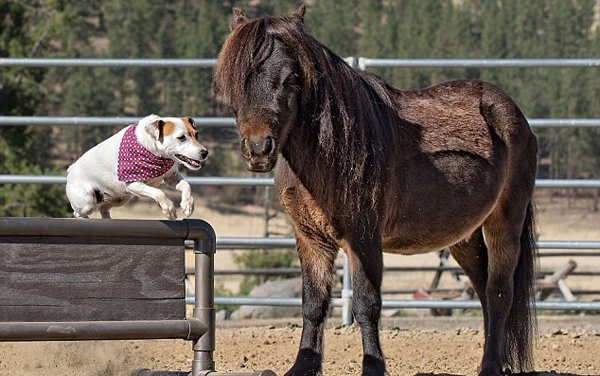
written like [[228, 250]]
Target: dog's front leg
[[140, 189], [177, 182]]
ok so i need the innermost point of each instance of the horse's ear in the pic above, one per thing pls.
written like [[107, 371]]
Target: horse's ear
[[237, 19], [300, 13]]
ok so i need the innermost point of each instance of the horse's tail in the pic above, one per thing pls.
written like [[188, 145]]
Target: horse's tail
[[521, 324]]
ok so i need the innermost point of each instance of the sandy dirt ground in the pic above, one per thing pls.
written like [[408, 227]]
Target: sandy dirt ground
[[567, 344], [433, 346]]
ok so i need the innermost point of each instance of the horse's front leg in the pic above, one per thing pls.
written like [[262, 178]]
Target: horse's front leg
[[366, 258], [317, 256]]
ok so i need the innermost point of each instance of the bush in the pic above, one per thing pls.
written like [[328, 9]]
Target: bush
[[275, 258]]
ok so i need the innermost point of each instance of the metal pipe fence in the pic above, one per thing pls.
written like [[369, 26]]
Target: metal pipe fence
[[106, 63], [404, 304], [266, 182], [251, 243], [364, 63], [357, 62], [203, 122], [346, 291], [224, 122], [298, 271]]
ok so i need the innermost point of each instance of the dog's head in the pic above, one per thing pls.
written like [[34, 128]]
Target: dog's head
[[177, 139]]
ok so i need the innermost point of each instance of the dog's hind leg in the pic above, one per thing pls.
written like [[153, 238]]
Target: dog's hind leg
[[104, 211], [83, 201], [80, 215]]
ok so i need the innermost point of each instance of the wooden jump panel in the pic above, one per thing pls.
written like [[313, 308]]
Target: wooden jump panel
[[68, 279]]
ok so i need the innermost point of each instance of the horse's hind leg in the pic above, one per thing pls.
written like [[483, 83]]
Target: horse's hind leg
[[471, 255], [317, 256], [509, 286], [366, 260]]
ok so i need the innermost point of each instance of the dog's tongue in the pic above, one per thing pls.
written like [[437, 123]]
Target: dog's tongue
[[191, 161]]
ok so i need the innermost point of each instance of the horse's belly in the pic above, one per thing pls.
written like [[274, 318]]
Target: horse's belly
[[446, 198], [406, 244]]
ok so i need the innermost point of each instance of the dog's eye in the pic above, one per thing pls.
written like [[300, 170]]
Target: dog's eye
[[197, 136], [181, 138]]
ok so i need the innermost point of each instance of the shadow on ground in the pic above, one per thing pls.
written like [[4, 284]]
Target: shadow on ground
[[537, 373]]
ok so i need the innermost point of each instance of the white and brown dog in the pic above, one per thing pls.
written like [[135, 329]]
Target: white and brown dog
[[135, 161]]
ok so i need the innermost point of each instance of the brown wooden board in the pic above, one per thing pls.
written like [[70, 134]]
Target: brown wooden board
[[65, 279]]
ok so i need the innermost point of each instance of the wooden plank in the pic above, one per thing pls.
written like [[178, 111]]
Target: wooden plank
[[64, 279]]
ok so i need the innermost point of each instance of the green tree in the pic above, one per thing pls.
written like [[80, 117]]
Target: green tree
[[24, 150], [333, 23], [79, 91], [372, 39], [132, 32]]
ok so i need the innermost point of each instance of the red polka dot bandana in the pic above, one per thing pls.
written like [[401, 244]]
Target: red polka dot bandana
[[136, 163]]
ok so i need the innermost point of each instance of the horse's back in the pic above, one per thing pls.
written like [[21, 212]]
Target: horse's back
[[463, 115]]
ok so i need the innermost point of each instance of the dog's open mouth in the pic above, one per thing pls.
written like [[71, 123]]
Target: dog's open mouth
[[192, 162]]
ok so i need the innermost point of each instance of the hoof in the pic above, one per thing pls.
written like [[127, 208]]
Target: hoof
[[495, 371], [373, 366], [308, 363]]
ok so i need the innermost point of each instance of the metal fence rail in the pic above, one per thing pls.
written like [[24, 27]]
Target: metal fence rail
[[455, 270], [107, 63], [255, 242], [360, 62], [204, 122], [248, 181], [193, 180], [226, 122], [391, 303], [364, 63]]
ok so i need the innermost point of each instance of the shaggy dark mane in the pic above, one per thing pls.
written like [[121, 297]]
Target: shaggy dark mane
[[351, 111]]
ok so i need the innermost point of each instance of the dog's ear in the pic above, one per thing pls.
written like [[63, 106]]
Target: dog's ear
[[237, 18], [192, 122], [156, 129]]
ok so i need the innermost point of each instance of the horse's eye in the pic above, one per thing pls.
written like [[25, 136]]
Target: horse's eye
[[182, 138], [290, 79]]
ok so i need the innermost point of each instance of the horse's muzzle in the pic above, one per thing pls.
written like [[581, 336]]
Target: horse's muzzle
[[260, 153]]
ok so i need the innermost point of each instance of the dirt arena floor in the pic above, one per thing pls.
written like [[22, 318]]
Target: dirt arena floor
[[435, 346], [567, 344]]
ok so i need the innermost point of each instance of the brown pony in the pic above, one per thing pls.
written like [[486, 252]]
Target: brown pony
[[365, 167]]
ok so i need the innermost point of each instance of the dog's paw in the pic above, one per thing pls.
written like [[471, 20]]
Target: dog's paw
[[187, 204], [168, 209]]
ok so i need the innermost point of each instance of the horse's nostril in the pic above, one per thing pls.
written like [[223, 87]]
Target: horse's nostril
[[268, 145], [245, 146]]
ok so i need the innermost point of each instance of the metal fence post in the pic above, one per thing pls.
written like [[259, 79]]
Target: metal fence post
[[347, 317], [204, 306]]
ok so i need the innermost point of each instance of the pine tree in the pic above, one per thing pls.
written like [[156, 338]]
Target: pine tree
[[333, 23], [81, 91], [23, 33], [132, 31], [372, 38]]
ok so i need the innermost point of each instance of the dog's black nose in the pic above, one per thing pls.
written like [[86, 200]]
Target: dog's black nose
[[203, 153]]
